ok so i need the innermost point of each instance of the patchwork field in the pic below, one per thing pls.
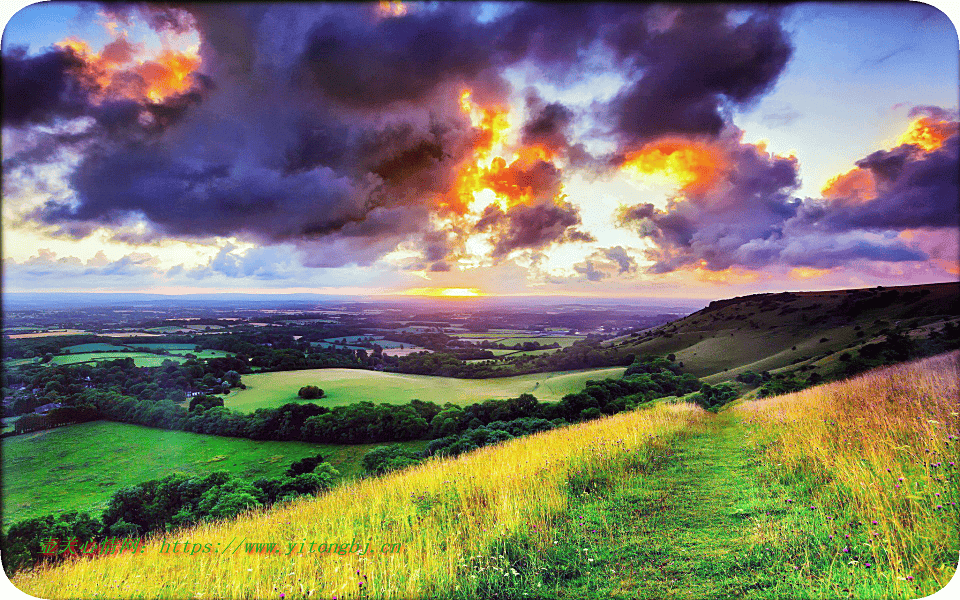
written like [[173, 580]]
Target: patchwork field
[[80, 466], [141, 359], [346, 386]]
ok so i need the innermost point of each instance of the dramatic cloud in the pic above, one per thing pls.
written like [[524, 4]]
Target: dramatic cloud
[[691, 70], [39, 89], [745, 215], [329, 126], [351, 133]]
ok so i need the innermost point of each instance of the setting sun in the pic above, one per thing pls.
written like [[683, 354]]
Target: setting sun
[[445, 292]]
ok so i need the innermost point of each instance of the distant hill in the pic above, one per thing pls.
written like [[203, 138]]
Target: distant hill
[[795, 330]]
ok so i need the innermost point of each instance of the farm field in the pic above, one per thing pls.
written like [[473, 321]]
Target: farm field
[[563, 340], [346, 386], [51, 333], [79, 467], [141, 359]]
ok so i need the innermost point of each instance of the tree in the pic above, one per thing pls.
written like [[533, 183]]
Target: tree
[[310, 392], [203, 402], [304, 465], [232, 377]]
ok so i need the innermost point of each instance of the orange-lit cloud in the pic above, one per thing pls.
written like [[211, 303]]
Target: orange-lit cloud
[[807, 273], [391, 9], [729, 276], [122, 69], [857, 185], [694, 167], [928, 133]]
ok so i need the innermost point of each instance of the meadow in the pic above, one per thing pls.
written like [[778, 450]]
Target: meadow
[[346, 386], [141, 359], [875, 459], [845, 490], [80, 466], [450, 518]]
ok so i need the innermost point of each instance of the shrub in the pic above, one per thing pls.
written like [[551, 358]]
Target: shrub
[[310, 392]]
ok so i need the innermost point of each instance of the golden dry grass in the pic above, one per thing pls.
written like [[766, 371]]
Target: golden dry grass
[[882, 448], [442, 512]]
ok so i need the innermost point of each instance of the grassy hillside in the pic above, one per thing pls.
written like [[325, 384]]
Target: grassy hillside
[[443, 514], [844, 490], [346, 386], [771, 332], [80, 466]]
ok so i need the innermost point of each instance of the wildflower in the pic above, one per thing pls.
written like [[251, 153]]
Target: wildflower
[[874, 522], [909, 577], [867, 565]]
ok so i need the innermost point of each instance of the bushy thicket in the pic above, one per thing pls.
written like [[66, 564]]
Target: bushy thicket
[[159, 505]]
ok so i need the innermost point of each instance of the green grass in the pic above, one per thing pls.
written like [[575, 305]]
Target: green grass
[[769, 333], [79, 467], [346, 386], [687, 528], [17, 362], [141, 359]]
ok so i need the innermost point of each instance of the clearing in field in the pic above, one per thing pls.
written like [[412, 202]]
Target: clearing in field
[[346, 386], [79, 467]]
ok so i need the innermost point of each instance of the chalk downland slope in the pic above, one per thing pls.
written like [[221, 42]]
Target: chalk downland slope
[[768, 332]]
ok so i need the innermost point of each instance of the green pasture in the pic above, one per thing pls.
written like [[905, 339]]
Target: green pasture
[[141, 359], [79, 467], [346, 386]]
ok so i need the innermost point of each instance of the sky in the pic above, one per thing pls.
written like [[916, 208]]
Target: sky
[[460, 149]]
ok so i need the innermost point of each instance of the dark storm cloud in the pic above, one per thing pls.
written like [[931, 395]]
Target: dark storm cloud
[[39, 89], [337, 129], [693, 69], [549, 125], [914, 190], [372, 63]]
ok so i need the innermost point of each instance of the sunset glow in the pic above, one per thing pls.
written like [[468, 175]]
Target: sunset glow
[[691, 167]]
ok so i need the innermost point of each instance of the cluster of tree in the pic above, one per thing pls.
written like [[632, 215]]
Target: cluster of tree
[[714, 396], [161, 505], [310, 392], [34, 385], [390, 458], [581, 355]]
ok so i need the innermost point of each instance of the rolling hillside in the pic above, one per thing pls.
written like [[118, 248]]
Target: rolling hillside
[[771, 332], [832, 492]]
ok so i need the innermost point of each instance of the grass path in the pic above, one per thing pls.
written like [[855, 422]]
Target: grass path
[[682, 531]]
